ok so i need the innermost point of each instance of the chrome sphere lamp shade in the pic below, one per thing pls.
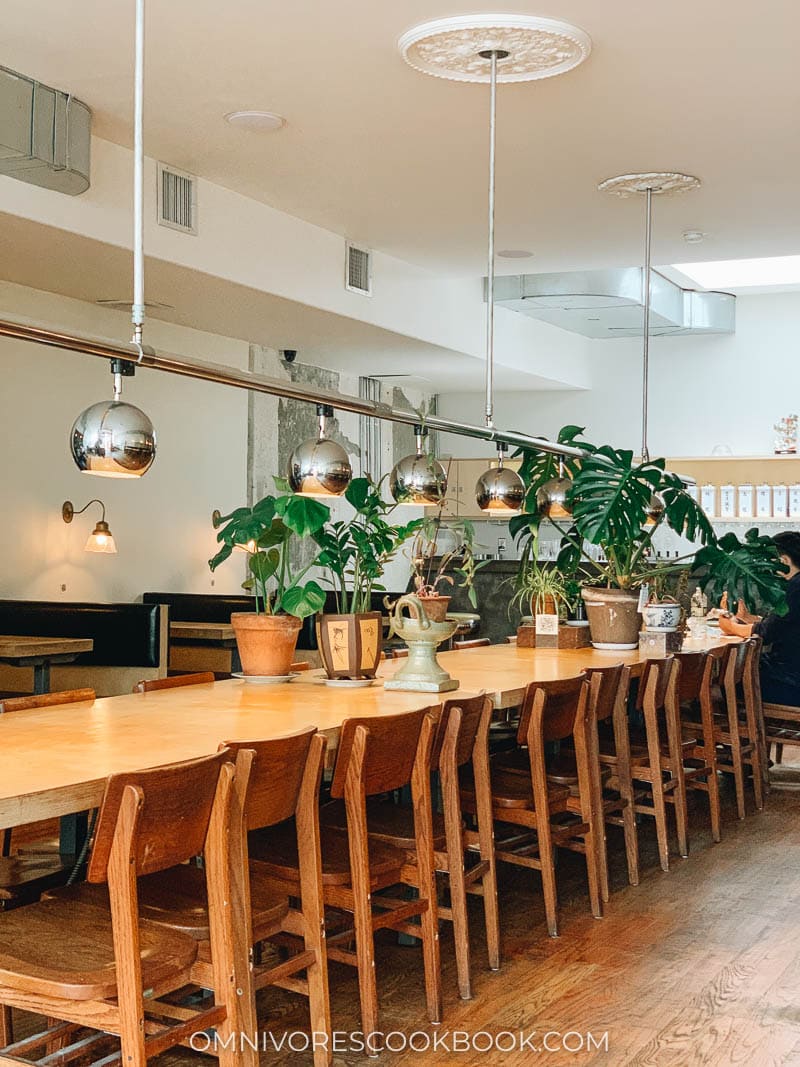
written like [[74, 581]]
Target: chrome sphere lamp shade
[[552, 498], [419, 478], [500, 491], [320, 466]]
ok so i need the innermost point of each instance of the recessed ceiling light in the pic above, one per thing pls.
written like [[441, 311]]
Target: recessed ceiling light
[[256, 120], [694, 237], [515, 253]]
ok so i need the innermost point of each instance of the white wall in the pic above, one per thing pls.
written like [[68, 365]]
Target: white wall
[[704, 392], [161, 523]]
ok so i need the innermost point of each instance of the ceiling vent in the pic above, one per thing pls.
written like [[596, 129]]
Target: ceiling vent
[[358, 270], [45, 135], [177, 199]]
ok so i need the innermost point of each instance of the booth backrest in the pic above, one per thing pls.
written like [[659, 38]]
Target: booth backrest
[[130, 642]]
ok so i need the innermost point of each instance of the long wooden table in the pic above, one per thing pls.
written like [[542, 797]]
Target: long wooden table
[[54, 761]]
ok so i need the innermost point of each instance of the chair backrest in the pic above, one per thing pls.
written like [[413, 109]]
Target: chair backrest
[[655, 679], [175, 682], [152, 684], [175, 805], [606, 693], [559, 702], [390, 752], [472, 711], [46, 700], [695, 672], [276, 776]]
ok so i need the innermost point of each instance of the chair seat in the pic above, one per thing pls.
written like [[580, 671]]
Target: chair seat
[[26, 874], [640, 754], [276, 849], [516, 791], [564, 771], [177, 898], [390, 823], [65, 949]]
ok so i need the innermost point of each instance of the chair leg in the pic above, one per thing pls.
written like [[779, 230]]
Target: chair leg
[[625, 788], [778, 752], [458, 902], [738, 768], [6, 1026], [757, 767], [679, 791], [591, 803], [599, 826], [365, 956], [657, 784], [547, 859]]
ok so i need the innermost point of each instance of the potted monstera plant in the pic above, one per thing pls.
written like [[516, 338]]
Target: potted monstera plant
[[730, 570], [267, 637], [617, 503], [355, 553]]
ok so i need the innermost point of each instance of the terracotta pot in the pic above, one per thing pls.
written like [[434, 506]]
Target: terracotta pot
[[350, 645], [548, 606], [266, 642], [614, 618], [435, 607]]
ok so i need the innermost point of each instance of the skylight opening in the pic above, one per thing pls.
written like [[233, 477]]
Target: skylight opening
[[742, 273]]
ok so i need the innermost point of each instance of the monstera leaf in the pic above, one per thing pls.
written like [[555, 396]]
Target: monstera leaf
[[610, 495], [751, 571]]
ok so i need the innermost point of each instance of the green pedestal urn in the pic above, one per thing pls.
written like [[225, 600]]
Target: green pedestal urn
[[420, 673]]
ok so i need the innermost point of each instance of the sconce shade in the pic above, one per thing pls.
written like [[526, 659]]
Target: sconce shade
[[319, 468], [101, 539], [114, 440]]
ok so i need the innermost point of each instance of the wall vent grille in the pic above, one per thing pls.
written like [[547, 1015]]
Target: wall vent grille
[[177, 199], [358, 270]]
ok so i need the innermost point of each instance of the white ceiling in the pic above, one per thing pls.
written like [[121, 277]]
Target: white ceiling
[[397, 160]]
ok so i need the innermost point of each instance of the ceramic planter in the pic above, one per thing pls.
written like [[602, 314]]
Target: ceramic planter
[[435, 607], [662, 618], [266, 642], [614, 618], [350, 645]]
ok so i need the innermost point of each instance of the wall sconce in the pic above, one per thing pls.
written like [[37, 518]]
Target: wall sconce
[[101, 538]]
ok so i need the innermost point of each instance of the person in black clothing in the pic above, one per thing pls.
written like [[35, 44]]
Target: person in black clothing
[[780, 659]]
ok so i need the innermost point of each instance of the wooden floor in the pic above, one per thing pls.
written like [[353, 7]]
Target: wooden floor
[[698, 966]]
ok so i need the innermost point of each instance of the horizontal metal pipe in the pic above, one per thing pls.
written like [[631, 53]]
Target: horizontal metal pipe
[[261, 383]]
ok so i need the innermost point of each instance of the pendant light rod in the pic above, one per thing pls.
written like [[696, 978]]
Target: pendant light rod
[[648, 237], [137, 310], [492, 55], [260, 383]]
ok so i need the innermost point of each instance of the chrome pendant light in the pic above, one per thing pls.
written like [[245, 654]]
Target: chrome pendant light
[[499, 491], [114, 439], [320, 466], [552, 497], [468, 48], [420, 478]]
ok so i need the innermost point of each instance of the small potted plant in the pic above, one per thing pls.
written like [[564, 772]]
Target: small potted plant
[[355, 553], [267, 637], [457, 565]]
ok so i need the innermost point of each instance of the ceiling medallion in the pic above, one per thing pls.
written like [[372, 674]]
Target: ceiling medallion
[[538, 47], [657, 181]]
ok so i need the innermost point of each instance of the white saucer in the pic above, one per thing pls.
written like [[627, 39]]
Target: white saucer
[[605, 646], [577, 622], [263, 679], [348, 683]]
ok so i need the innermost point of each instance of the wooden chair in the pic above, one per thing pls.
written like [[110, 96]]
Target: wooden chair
[[461, 744], [537, 809], [376, 755], [782, 727], [697, 724], [151, 685], [612, 797], [471, 642], [737, 710], [657, 760], [283, 782], [110, 970]]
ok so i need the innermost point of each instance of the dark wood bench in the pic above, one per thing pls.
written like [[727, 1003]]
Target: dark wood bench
[[129, 643]]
